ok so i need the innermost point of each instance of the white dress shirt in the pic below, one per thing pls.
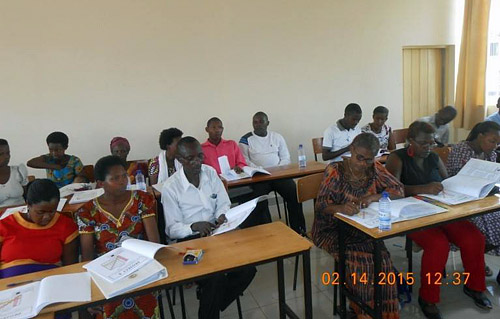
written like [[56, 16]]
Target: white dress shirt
[[442, 133], [185, 204], [337, 137], [264, 151]]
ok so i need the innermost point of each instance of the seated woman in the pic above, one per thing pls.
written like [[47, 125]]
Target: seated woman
[[120, 147], [13, 179], [39, 239], [421, 171], [116, 215], [164, 165], [381, 130], [481, 144], [347, 185], [61, 168]]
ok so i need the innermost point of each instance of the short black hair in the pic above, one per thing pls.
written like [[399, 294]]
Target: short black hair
[[167, 137], [101, 168], [58, 138], [260, 113], [381, 110], [367, 141], [352, 108], [41, 190], [482, 128], [3, 142], [187, 140], [213, 119], [419, 127]]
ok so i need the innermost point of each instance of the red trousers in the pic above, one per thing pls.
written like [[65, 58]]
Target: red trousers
[[436, 245]]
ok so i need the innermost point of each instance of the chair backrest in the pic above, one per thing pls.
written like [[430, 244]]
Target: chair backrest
[[308, 187], [443, 153], [88, 172], [400, 135], [317, 147]]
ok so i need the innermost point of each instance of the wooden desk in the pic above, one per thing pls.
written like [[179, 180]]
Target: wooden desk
[[281, 172], [223, 253], [455, 213]]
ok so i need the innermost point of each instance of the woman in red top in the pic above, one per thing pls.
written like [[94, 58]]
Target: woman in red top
[[39, 239], [105, 222]]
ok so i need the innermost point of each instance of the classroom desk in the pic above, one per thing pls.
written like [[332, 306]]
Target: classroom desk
[[455, 213], [250, 246], [281, 172]]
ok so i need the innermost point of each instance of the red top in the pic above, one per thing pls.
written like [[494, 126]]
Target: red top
[[226, 147], [24, 243]]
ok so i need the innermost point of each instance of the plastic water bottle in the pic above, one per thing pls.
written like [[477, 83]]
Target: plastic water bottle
[[140, 181], [384, 212], [302, 157]]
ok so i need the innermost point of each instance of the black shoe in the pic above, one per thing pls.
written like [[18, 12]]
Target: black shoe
[[488, 271], [430, 310], [479, 298], [498, 277]]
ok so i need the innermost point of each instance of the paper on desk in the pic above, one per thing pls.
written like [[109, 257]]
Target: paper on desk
[[158, 187], [61, 204], [85, 196], [24, 209], [237, 215], [70, 189], [225, 168]]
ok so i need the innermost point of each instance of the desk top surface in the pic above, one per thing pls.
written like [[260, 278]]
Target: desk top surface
[[454, 212], [281, 172], [221, 253]]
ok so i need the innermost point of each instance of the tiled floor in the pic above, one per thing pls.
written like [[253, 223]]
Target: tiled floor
[[260, 299]]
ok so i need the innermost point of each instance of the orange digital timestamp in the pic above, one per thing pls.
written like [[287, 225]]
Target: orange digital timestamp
[[456, 278], [391, 278]]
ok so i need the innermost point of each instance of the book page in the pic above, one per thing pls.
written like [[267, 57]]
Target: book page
[[55, 289], [142, 247], [251, 171], [19, 302], [224, 164], [468, 185], [117, 264], [451, 198], [12, 210], [85, 196], [70, 189], [481, 169], [237, 215]]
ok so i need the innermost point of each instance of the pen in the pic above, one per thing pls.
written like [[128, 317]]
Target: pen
[[14, 284]]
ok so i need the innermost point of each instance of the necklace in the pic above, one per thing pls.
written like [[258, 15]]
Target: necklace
[[356, 180]]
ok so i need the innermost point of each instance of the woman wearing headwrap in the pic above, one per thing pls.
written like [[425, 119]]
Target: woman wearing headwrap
[[120, 147]]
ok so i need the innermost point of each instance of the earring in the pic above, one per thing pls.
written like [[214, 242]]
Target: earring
[[410, 151]]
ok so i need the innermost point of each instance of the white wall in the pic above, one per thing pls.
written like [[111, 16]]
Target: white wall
[[97, 69]]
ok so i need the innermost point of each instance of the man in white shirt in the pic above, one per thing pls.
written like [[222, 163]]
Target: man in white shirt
[[439, 122], [194, 203], [263, 148], [495, 117], [338, 137]]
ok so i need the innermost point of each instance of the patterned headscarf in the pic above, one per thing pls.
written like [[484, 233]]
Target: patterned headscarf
[[117, 140]]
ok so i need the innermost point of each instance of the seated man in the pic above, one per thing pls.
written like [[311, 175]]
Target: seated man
[[194, 203], [495, 117], [439, 122], [339, 136], [264, 148], [215, 147]]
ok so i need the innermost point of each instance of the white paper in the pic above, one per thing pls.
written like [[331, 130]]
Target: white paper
[[158, 187], [401, 210], [224, 164], [237, 215], [248, 172], [70, 189], [142, 247], [61, 204], [9, 211], [85, 196]]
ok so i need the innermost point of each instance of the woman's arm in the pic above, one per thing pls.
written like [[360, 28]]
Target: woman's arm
[[392, 142], [87, 244], [151, 229], [70, 252], [41, 162], [442, 169]]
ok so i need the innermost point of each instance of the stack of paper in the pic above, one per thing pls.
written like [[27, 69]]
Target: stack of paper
[[237, 215], [126, 268], [85, 196]]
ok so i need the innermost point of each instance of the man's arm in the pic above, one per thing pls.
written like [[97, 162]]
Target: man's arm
[[246, 154], [174, 226], [328, 155], [283, 152]]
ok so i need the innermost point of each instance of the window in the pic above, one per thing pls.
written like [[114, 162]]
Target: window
[[493, 64], [494, 49]]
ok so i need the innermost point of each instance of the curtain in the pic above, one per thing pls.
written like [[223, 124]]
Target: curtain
[[471, 79]]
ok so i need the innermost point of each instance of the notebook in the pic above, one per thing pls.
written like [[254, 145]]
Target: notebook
[[28, 300], [230, 175], [474, 181]]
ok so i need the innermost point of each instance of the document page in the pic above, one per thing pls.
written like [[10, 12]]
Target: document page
[[85, 196], [55, 289], [19, 302], [236, 215], [142, 247]]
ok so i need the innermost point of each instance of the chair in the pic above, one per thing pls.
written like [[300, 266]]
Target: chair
[[400, 135], [88, 172], [443, 153], [317, 147]]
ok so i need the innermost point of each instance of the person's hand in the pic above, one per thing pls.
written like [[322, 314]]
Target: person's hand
[[433, 188], [204, 228], [238, 170], [366, 200], [349, 209], [221, 220]]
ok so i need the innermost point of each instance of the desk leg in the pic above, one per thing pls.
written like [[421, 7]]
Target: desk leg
[[281, 289], [306, 268], [342, 277], [377, 260]]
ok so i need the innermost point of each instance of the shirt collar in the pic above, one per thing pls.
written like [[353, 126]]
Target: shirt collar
[[341, 127], [208, 143], [184, 181]]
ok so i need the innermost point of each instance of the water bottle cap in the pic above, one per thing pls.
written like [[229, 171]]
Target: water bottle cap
[[385, 194], [300, 145]]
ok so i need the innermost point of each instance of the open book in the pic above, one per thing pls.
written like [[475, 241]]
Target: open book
[[237, 215], [127, 267], [474, 181], [85, 196], [401, 209], [28, 300], [70, 189], [230, 175]]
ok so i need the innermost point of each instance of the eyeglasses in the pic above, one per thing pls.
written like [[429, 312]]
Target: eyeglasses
[[429, 144], [361, 158]]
